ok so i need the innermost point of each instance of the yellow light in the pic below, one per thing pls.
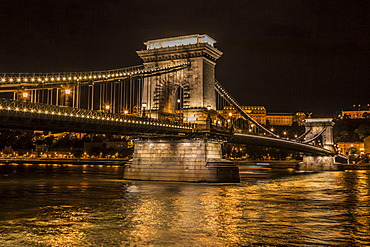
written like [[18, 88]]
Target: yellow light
[[178, 100], [144, 105], [125, 111], [25, 95], [230, 114], [68, 91], [107, 107], [209, 107]]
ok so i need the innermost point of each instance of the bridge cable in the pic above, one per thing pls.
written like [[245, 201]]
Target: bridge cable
[[303, 135], [315, 137], [222, 91]]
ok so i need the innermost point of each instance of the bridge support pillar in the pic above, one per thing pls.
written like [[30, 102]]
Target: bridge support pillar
[[181, 160], [318, 163]]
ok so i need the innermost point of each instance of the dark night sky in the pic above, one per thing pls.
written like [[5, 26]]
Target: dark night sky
[[288, 55]]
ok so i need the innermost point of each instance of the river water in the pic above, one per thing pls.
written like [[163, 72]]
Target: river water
[[58, 205]]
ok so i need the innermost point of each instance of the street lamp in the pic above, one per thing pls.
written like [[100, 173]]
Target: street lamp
[[125, 112], [144, 105], [209, 107], [67, 93], [107, 107], [178, 104]]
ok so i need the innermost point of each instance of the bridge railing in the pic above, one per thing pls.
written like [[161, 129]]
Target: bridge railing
[[38, 108]]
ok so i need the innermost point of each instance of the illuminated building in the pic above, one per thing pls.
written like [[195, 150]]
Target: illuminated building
[[358, 112], [367, 145], [260, 114], [285, 119], [351, 148]]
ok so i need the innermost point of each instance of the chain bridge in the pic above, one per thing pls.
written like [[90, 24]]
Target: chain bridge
[[169, 105]]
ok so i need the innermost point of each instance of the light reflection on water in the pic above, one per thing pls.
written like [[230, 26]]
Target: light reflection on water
[[92, 206]]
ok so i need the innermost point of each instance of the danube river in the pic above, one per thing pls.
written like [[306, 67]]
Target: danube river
[[91, 206]]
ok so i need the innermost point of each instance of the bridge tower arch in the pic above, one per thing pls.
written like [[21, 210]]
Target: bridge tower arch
[[197, 81]]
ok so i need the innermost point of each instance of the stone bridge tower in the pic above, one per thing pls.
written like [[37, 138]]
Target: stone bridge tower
[[188, 159], [191, 89]]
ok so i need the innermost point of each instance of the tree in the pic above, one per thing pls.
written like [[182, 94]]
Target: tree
[[363, 131], [366, 115]]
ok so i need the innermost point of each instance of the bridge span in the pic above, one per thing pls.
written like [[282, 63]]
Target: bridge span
[[35, 116], [169, 104]]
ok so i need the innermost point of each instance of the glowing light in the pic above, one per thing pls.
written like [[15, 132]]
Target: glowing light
[[230, 114], [125, 112], [68, 91], [25, 95], [107, 107]]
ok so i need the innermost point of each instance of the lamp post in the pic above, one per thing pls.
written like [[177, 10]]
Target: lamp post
[[230, 120], [143, 105], [178, 104], [67, 93], [24, 96]]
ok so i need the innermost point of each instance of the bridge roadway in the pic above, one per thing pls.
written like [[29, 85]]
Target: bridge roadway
[[35, 116]]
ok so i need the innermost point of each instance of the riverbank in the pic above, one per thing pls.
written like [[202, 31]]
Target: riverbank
[[364, 166], [63, 161]]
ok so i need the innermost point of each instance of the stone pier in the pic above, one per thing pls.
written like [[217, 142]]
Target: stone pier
[[318, 163], [181, 160], [315, 126]]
